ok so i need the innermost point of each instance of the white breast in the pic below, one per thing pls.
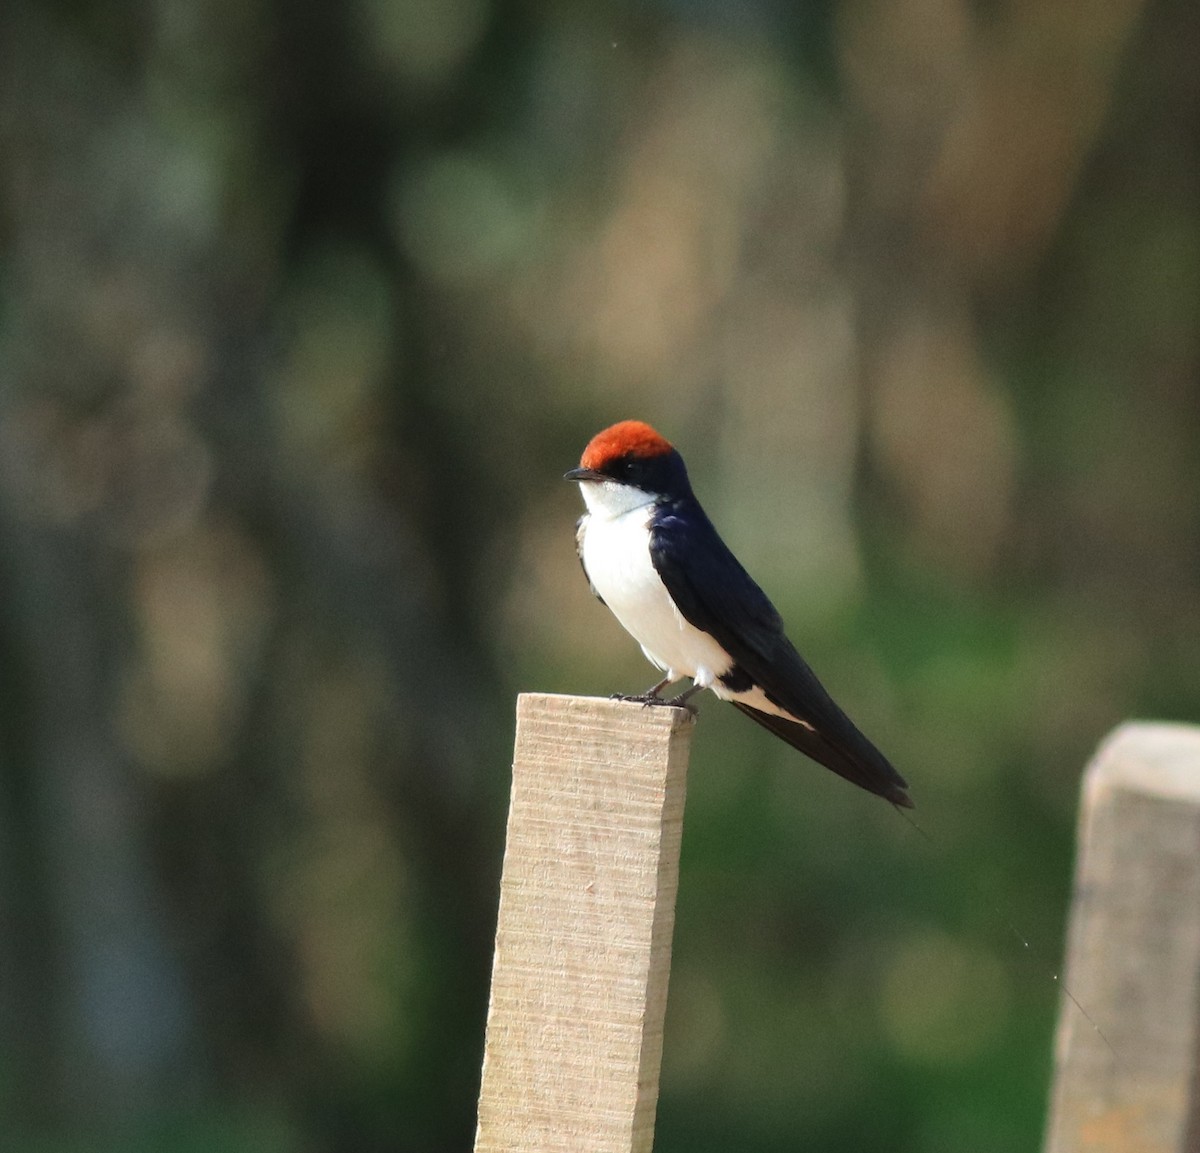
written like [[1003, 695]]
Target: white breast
[[616, 554]]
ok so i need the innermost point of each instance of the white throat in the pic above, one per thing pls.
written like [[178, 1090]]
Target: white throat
[[607, 500]]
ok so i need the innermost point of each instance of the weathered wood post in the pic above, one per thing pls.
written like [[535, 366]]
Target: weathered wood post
[[1130, 1082], [583, 941]]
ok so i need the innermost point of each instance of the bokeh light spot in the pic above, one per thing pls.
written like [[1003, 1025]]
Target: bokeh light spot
[[459, 218], [425, 41], [945, 1000]]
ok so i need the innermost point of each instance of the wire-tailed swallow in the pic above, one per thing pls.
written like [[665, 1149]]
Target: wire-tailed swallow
[[652, 556]]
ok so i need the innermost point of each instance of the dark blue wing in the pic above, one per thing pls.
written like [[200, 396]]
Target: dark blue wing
[[716, 594]]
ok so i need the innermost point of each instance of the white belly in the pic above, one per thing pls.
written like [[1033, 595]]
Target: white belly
[[617, 559]]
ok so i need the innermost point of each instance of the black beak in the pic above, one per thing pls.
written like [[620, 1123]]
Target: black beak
[[584, 474]]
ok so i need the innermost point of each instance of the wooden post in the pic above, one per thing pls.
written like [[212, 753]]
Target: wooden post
[[583, 942], [1128, 1083]]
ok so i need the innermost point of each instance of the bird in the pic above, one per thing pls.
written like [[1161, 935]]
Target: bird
[[653, 557]]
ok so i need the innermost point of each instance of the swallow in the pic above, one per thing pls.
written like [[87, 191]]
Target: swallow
[[652, 556]]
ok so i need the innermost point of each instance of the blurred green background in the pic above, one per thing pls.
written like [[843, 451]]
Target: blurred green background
[[304, 310]]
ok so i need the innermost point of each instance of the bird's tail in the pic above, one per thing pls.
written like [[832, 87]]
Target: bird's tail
[[866, 766]]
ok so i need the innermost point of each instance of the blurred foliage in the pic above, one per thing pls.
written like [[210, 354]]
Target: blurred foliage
[[303, 313]]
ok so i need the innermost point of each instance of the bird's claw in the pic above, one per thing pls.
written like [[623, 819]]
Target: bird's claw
[[648, 700]]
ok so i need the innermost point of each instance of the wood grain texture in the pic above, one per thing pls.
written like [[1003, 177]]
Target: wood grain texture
[[583, 940], [1133, 957]]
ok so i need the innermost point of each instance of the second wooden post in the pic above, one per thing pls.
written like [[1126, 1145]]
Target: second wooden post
[[1128, 1079]]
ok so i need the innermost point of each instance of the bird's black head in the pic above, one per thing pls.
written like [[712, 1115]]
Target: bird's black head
[[632, 453]]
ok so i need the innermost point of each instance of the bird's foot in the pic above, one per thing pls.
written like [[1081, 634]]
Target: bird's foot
[[651, 697], [682, 701], [648, 698], [643, 699]]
